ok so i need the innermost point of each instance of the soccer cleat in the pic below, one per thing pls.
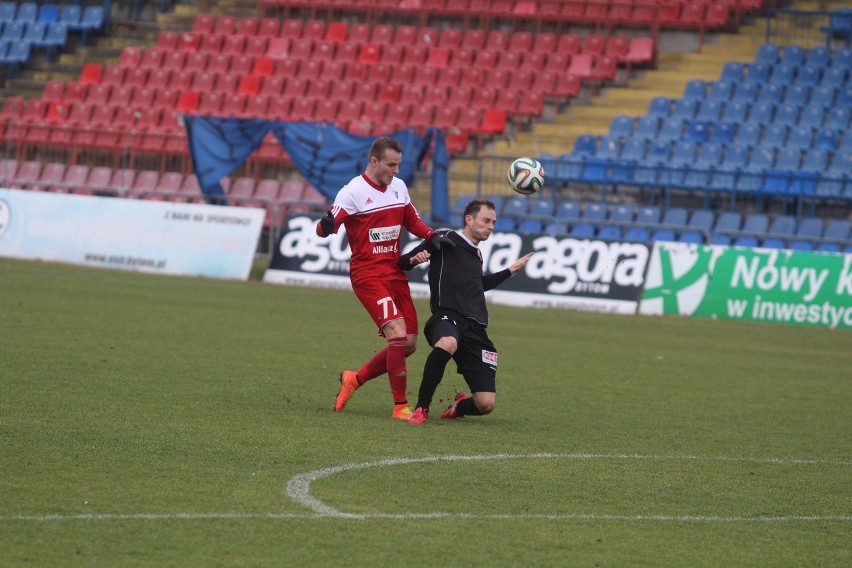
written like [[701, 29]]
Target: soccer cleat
[[420, 415], [348, 386], [450, 412], [401, 412]]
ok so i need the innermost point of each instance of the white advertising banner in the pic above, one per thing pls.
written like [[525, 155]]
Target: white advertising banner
[[148, 236]]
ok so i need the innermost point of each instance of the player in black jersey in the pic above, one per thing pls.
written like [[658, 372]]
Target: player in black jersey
[[457, 328]]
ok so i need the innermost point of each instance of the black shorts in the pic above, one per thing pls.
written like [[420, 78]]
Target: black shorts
[[476, 356]]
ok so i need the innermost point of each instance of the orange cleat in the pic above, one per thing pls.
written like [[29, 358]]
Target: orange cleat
[[401, 412], [419, 417], [450, 412], [348, 386]]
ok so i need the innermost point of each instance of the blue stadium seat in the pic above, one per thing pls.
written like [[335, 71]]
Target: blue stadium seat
[[813, 116], [504, 225], [594, 169], [635, 149], [827, 139], [823, 95], [570, 167], [728, 222], [747, 91], [582, 231], [594, 211], [697, 130], [818, 57], [844, 96], [808, 76], [793, 55], [722, 240], [723, 132], [685, 108], [48, 14], [815, 160], [736, 156], [14, 30], [515, 206], [660, 151], [756, 223], [783, 225], [783, 74], [775, 136], [702, 219], [70, 14], [637, 235], [810, 227], [672, 129], [786, 114], [838, 117], [460, 203], [34, 33], [767, 53], [497, 200], [8, 11], [834, 77], [675, 216], [663, 235], [530, 227], [721, 90], [647, 126], [567, 210], [660, 106], [622, 212], [837, 229], [695, 89], [621, 126], [585, 145], [828, 247], [797, 94], [542, 207], [773, 243], [771, 93], [734, 71], [799, 245], [735, 111], [759, 71], [610, 233], [710, 110], [56, 37], [842, 58], [745, 241], [93, 19], [761, 113], [27, 12], [555, 228], [801, 137], [608, 147], [648, 214]]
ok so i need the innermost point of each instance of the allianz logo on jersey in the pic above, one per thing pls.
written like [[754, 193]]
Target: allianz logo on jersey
[[382, 234]]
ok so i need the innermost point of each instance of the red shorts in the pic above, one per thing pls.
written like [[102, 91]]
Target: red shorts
[[387, 300]]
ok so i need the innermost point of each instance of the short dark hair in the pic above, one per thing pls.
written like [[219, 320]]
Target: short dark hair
[[474, 206], [380, 145]]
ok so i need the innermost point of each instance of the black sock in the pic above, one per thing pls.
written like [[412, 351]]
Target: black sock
[[433, 372], [467, 408]]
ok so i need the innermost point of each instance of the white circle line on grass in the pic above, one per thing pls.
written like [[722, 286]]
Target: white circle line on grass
[[299, 487]]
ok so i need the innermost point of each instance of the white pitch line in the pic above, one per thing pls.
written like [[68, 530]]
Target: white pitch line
[[298, 489]]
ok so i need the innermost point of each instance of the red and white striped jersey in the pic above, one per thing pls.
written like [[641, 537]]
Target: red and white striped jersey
[[374, 217]]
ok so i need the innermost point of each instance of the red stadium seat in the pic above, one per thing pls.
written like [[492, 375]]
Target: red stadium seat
[[167, 40], [189, 41], [272, 85], [359, 33], [292, 28], [269, 27], [248, 85], [130, 57], [314, 29], [225, 25], [91, 74], [369, 54], [187, 101], [53, 91], [152, 59], [382, 34], [493, 122], [247, 26], [203, 23], [593, 45], [581, 65], [234, 44], [256, 46], [337, 32], [569, 44], [545, 42], [450, 38], [257, 106]]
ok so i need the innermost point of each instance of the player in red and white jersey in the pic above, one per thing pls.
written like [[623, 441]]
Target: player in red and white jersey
[[375, 207]]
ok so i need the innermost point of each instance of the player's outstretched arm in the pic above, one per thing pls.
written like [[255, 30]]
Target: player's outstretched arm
[[417, 255], [520, 263]]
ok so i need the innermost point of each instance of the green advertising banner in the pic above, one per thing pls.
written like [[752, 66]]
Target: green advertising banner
[[779, 286]]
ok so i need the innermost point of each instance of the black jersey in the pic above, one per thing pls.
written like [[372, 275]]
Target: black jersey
[[456, 281]]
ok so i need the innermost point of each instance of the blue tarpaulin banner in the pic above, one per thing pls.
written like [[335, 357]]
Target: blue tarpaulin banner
[[325, 155]]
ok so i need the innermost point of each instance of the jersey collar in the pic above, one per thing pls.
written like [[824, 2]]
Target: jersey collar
[[372, 184]]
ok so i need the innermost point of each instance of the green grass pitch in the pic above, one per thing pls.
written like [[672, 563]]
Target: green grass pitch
[[161, 421]]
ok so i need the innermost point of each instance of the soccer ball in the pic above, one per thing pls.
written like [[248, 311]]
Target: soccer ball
[[526, 176]]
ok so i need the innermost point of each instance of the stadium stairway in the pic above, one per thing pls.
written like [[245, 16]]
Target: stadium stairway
[[594, 114]]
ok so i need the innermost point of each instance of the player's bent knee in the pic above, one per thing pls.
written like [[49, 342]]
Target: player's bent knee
[[485, 404], [448, 344]]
